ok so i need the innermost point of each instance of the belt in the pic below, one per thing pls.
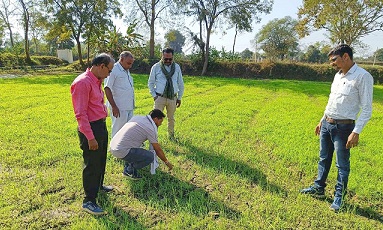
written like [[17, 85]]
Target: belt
[[161, 95], [339, 121], [102, 120]]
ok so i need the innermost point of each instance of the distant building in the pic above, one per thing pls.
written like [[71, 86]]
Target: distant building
[[65, 55]]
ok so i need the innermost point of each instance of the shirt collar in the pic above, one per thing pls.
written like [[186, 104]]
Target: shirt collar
[[154, 124], [122, 68], [92, 76], [351, 70]]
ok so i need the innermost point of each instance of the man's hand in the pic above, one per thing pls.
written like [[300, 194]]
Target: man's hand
[[178, 103], [170, 166], [352, 140], [317, 129], [116, 111], [93, 145]]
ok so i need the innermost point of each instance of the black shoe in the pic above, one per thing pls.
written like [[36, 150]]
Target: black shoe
[[313, 190], [132, 175], [93, 208], [106, 188]]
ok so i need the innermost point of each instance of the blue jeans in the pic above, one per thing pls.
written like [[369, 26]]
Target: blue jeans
[[137, 158], [334, 137]]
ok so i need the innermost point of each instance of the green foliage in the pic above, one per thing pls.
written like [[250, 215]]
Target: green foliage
[[244, 149], [346, 21], [379, 54], [247, 54], [316, 53], [278, 38], [209, 14], [49, 60], [81, 19], [11, 60], [175, 40]]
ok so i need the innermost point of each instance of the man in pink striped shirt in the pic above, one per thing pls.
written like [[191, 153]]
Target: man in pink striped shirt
[[90, 112]]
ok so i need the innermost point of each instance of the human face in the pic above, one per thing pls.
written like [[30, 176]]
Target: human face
[[106, 70], [336, 61], [127, 62], [158, 121], [167, 58]]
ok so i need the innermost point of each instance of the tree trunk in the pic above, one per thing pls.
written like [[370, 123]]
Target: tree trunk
[[79, 51], [10, 34], [202, 45], [207, 48], [26, 45], [26, 29], [235, 38], [151, 41]]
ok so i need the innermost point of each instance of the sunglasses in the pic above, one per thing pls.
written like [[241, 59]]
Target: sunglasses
[[168, 59]]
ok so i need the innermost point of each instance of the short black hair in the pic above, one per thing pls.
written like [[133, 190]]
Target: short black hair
[[168, 50], [340, 50], [156, 113], [103, 58]]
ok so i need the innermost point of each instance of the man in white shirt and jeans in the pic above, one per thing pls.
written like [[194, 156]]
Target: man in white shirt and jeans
[[127, 143], [340, 126]]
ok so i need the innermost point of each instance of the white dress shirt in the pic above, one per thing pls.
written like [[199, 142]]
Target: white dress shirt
[[351, 93], [121, 84]]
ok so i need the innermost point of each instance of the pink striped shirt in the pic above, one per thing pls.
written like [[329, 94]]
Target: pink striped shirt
[[88, 101]]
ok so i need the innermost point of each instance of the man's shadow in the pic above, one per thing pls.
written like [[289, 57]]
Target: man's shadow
[[228, 166], [166, 192], [117, 218], [354, 208]]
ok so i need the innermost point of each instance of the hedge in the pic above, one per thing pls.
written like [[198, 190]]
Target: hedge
[[12, 60]]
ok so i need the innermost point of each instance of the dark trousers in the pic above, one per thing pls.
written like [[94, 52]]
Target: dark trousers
[[94, 160]]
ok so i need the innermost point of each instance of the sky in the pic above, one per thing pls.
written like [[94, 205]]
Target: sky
[[282, 8]]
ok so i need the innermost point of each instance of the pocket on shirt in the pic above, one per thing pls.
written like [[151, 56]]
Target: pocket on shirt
[[346, 89]]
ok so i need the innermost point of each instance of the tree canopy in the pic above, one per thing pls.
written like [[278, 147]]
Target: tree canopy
[[278, 38], [175, 40], [210, 13], [346, 21], [82, 18]]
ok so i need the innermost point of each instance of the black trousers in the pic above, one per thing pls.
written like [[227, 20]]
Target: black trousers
[[94, 160]]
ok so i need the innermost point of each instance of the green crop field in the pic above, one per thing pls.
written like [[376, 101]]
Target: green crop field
[[244, 149]]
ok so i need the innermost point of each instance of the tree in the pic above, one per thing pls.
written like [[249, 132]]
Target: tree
[[82, 18], [175, 40], [38, 27], [150, 11], [241, 20], [278, 38], [7, 11], [210, 13], [247, 54], [26, 6], [379, 54], [346, 21], [115, 42]]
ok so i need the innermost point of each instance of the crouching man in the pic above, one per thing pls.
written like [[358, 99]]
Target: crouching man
[[127, 142]]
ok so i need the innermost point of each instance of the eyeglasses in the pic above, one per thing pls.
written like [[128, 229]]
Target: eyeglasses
[[109, 70], [333, 59], [168, 59]]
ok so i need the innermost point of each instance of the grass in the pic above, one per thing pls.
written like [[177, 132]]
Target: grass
[[244, 150]]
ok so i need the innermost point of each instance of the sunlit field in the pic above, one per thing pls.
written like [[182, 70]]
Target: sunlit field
[[243, 150]]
